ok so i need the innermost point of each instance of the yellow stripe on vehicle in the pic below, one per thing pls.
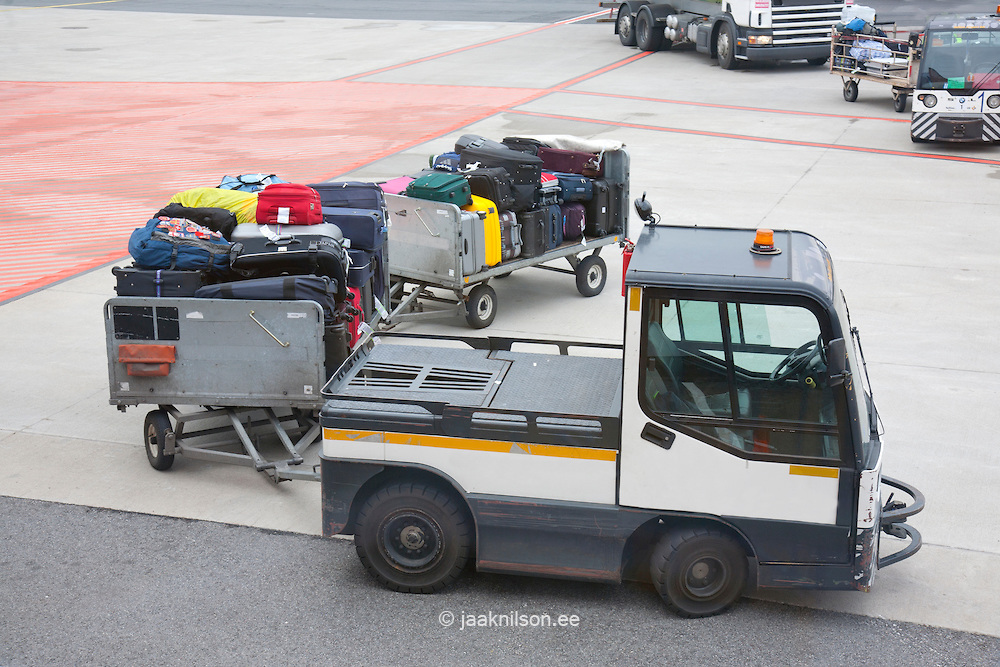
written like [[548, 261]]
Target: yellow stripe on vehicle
[[813, 471], [472, 444]]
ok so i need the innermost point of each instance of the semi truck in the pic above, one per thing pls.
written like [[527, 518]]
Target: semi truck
[[730, 444], [957, 93], [732, 31]]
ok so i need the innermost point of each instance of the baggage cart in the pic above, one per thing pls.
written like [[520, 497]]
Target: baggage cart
[[856, 57], [248, 373]]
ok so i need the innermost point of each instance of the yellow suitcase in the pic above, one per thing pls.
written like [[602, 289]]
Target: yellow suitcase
[[487, 210]]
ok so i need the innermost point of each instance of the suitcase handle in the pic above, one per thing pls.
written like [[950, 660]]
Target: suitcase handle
[[283, 241]]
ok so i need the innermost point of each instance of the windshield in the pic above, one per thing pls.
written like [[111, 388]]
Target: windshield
[[961, 60]]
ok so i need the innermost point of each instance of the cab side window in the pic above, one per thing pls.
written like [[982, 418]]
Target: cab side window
[[750, 377]]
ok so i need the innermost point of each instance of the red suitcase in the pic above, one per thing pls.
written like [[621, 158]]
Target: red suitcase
[[572, 162], [289, 204]]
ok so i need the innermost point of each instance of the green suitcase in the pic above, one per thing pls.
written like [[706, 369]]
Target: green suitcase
[[441, 186]]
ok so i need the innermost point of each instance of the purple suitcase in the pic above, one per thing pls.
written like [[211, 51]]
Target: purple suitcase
[[572, 162], [574, 219]]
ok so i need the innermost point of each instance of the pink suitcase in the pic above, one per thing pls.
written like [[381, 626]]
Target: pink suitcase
[[396, 186], [289, 204]]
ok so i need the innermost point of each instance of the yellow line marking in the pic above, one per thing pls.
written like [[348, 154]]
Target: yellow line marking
[[812, 471], [75, 4], [473, 444]]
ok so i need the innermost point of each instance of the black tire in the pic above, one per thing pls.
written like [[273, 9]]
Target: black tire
[[591, 275], [648, 35], [816, 62], [413, 537], [155, 430], [725, 47], [481, 306], [851, 91], [625, 25], [899, 102], [698, 572]]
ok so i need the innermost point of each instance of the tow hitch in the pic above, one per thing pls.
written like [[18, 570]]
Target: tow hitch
[[893, 522]]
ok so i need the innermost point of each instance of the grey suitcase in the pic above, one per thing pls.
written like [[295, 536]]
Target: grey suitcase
[[510, 235]]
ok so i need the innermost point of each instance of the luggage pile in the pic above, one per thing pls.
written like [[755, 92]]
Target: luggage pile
[[256, 236], [529, 195]]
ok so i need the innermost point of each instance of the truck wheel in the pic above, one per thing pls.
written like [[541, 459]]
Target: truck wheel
[[648, 35], [591, 274], [481, 308], [156, 427], [698, 572], [851, 91], [816, 62], [413, 538], [625, 25], [725, 47]]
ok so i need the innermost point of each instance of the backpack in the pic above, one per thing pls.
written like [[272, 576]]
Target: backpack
[[174, 243]]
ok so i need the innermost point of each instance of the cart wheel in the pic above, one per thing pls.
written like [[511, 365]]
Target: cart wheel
[[156, 428], [851, 91], [591, 274], [481, 307], [899, 102]]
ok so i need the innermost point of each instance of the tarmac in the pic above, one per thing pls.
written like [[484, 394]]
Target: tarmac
[[129, 118]]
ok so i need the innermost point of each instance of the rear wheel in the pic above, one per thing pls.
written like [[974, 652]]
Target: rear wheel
[[156, 428], [413, 537], [626, 26], [648, 35], [698, 572], [816, 62], [899, 102], [851, 91]]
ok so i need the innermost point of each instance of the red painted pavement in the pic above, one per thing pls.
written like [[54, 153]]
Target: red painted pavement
[[86, 163]]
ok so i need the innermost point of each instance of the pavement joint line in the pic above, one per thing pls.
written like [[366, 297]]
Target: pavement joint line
[[75, 4], [733, 107], [766, 140]]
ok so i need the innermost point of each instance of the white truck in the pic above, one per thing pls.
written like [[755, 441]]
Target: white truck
[[732, 31], [957, 93], [729, 445]]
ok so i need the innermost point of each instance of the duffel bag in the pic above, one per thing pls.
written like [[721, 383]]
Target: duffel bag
[[172, 243], [285, 288], [249, 182]]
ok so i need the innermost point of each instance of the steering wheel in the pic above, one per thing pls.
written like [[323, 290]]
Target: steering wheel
[[799, 359]]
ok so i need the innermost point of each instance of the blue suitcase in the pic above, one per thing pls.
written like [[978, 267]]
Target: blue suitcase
[[351, 194], [364, 227], [575, 187]]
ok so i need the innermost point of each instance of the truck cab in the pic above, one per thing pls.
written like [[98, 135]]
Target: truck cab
[[728, 445]]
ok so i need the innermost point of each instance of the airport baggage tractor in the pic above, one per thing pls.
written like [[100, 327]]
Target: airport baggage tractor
[[493, 183], [574, 220], [289, 204], [133, 281], [441, 186], [510, 235], [294, 255], [573, 162], [574, 187], [350, 194], [364, 228], [535, 232], [320, 289], [492, 252]]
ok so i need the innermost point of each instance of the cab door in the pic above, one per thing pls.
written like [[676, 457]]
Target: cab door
[[728, 413]]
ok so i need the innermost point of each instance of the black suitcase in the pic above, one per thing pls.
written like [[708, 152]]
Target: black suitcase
[[351, 194], [534, 232], [604, 211], [553, 226], [523, 144], [293, 255], [525, 170], [133, 281], [493, 183], [292, 288]]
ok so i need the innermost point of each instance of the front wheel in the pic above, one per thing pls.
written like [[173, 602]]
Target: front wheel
[[481, 307], [591, 274], [157, 428], [648, 35], [851, 91], [698, 572], [626, 26], [899, 102], [413, 537], [725, 47]]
